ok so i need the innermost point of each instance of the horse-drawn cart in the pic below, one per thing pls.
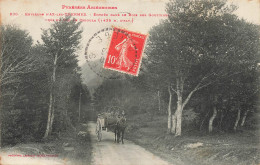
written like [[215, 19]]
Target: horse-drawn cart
[[109, 121]]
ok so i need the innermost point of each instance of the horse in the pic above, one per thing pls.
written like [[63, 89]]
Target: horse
[[117, 124], [120, 129]]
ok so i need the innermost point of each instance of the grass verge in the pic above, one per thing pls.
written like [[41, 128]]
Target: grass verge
[[68, 148], [193, 148]]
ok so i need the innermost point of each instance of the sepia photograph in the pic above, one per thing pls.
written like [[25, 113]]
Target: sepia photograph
[[130, 82]]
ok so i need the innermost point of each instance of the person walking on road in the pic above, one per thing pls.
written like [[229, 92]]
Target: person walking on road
[[99, 128]]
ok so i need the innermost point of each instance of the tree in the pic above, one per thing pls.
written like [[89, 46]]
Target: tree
[[147, 84], [16, 45], [242, 96], [199, 44], [85, 103], [61, 42], [16, 61]]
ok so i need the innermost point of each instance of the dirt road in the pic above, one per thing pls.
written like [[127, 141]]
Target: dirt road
[[107, 152]]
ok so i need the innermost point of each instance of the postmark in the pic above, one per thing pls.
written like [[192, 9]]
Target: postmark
[[125, 51], [96, 52]]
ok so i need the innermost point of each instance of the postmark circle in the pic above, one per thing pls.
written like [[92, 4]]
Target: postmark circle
[[96, 51]]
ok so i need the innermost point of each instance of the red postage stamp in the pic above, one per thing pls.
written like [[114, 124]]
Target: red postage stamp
[[125, 51]]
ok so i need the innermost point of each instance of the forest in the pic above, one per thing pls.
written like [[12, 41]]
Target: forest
[[196, 98], [42, 93], [200, 68]]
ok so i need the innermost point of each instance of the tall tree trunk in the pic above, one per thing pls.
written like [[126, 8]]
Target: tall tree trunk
[[178, 113], [169, 110], [173, 129], [159, 100], [211, 120], [47, 131], [51, 103], [237, 119], [244, 118], [52, 115], [178, 119]]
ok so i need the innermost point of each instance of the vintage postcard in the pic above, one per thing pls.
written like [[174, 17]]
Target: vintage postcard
[[130, 82]]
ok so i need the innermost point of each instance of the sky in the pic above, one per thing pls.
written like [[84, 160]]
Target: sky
[[249, 10]]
